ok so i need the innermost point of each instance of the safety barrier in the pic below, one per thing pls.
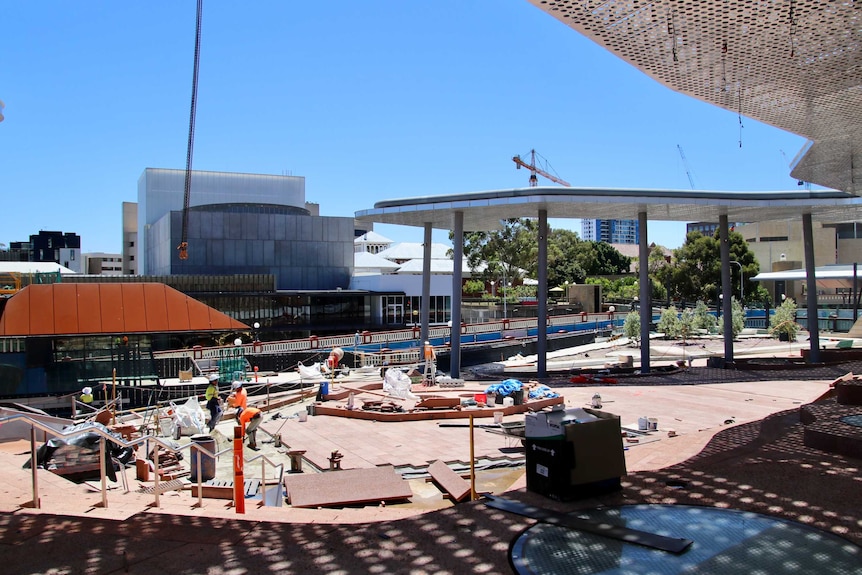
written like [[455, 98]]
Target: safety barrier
[[105, 436]]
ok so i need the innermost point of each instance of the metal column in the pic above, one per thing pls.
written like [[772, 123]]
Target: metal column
[[811, 287], [726, 292], [426, 284], [457, 259], [644, 290], [542, 323]]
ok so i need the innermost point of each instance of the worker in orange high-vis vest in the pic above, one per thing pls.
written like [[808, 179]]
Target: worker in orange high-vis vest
[[430, 364], [249, 419]]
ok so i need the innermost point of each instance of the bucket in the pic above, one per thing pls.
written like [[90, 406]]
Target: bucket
[[166, 426], [324, 388], [481, 398], [508, 401], [303, 415], [653, 423], [207, 461], [498, 417], [643, 423]]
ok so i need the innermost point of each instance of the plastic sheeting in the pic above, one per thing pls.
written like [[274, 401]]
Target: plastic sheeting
[[505, 388], [398, 384], [189, 415]]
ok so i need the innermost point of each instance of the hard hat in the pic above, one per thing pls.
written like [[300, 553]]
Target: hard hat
[[213, 377], [236, 385], [87, 390]]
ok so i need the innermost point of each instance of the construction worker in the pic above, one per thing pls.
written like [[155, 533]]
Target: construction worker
[[430, 369], [238, 397], [249, 419], [87, 395], [213, 401]]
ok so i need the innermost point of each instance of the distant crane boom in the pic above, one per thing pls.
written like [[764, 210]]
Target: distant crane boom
[[184, 240], [685, 164], [534, 181]]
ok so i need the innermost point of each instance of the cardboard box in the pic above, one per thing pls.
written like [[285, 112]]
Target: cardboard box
[[549, 424], [598, 447], [588, 458]]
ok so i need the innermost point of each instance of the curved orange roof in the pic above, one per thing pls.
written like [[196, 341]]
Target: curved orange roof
[[108, 308]]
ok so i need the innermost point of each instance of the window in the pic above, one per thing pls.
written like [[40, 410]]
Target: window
[[131, 258], [131, 244]]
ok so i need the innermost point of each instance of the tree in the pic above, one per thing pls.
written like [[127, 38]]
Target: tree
[[602, 259], [668, 323], [506, 251], [474, 287], [737, 318], [695, 270], [783, 322], [686, 324], [702, 318], [632, 326]]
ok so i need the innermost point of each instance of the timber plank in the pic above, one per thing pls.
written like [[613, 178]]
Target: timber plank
[[346, 487], [456, 486]]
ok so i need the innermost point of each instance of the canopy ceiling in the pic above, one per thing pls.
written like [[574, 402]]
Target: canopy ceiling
[[793, 64], [486, 210]]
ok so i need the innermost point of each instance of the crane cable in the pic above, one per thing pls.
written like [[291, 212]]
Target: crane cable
[[183, 247]]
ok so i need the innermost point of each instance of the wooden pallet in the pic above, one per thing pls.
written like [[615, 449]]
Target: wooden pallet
[[223, 488]]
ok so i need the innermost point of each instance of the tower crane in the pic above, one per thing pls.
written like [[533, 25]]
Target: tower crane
[[184, 244], [685, 164], [534, 181]]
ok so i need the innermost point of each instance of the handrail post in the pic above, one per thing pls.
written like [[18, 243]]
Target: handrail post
[[34, 468], [197, 449], [102, 473], [156, 474], [263, 481]]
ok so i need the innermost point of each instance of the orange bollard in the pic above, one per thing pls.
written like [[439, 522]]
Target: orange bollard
[[238, 478], [255, 374]]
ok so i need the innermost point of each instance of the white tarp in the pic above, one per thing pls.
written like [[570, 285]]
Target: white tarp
[[311, 372], [188, 416], [397, 383]]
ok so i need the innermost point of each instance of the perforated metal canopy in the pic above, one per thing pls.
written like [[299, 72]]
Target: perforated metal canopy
[[793, 64]]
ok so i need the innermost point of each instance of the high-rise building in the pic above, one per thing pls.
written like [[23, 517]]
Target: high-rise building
[[610, 231]]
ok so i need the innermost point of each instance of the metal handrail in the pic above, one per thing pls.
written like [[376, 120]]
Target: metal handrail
[[107, 436]]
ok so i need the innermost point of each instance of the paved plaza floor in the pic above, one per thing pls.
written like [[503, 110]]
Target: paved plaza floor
[[725, 438]]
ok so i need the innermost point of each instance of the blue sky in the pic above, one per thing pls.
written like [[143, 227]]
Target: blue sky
[[368, 100]]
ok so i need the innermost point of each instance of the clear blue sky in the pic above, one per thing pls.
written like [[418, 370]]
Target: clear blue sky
[[368, 100]]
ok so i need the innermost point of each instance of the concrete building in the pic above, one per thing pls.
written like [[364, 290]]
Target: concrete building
[[100, 263], [241, 224], [130, 239]]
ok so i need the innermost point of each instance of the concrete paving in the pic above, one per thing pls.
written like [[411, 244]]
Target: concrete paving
[[72, 532]]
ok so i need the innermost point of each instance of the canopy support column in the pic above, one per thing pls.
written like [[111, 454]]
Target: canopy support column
[[542, 324], [457, 259], [644, 291], [811, 288]]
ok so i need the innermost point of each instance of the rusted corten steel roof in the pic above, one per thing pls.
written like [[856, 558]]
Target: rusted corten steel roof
[[79, 309]]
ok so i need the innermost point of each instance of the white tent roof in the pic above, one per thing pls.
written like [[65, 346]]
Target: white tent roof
[[369, 260], [411, 250], [438, 266], [34, 268], [372, 237], [831, 276]]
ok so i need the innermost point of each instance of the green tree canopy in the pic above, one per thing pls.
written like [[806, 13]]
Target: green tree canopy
[[695, 270]]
